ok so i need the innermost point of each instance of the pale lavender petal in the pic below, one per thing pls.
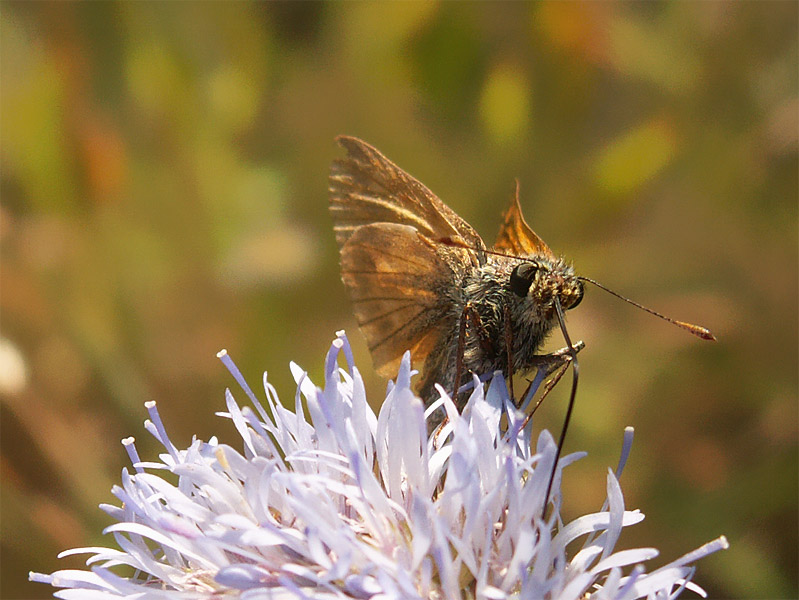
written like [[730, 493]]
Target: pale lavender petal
[[616, 512], [623, 558]]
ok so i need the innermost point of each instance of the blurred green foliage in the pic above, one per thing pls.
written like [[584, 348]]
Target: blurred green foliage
[[164, 196]]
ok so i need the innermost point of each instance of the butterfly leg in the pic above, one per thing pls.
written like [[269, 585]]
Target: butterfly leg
[[459, 355], [509, 350], [555, 362], [469, 316], [557, 357]]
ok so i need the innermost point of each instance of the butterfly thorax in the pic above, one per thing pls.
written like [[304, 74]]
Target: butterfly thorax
[[523, 291]]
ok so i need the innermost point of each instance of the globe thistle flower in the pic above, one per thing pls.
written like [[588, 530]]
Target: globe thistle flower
[[329, 500]]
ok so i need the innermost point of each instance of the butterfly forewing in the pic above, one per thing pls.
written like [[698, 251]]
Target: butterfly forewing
[[366, 187]]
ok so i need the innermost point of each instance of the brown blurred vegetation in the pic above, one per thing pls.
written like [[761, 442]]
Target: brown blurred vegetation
[[164, 196]]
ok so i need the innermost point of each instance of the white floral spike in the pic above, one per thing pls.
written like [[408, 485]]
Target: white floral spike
[[332, 501]]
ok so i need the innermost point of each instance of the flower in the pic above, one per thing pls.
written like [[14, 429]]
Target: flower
[[330, 500]]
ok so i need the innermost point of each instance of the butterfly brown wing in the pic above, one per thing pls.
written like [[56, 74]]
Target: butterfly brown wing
[[515, 235], [396, 280], [366, 187], [388, 227]]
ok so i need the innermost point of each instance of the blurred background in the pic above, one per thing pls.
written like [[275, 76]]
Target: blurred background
[[164, 195]]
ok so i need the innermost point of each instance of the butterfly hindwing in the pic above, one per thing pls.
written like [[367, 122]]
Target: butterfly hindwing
[[395, 279]]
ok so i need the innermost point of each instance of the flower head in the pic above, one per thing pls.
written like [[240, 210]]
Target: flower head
[[330, 500]]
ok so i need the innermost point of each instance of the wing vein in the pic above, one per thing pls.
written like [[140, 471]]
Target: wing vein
[[382, 341]]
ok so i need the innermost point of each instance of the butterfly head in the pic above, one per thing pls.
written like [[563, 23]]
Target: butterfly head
[[542, 279]]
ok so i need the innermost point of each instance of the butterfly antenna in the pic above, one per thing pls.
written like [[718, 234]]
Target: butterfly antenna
[[698, 331], [569, 409], [448, 241]]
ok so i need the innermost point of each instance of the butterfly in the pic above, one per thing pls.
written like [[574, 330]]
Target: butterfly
[[422, 279]]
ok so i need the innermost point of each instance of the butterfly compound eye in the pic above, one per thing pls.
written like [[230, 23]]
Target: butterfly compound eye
[[579, 297], [521, 278]]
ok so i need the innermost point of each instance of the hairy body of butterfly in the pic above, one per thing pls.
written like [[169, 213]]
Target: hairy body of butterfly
[[529, 309], [421, 279]]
